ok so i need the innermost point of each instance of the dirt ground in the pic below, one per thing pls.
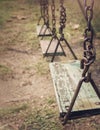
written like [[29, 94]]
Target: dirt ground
[[24, 75]]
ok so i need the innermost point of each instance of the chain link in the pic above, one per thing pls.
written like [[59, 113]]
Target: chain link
[[44, 6], [89, 50], [53, 17], [62, 17], [47, 12]]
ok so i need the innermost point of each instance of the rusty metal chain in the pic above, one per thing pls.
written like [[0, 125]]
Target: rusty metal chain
[[44, 11], [53, 17], [47, 12], [42, 8], [62, 17], [89, 50]]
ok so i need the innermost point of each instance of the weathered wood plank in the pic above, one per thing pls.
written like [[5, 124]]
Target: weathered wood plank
[[44, 45], [65, 79], [40, 31]]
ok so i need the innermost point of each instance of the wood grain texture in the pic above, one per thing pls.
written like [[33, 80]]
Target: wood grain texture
[[42, 31], [65, 79], [44, 45]]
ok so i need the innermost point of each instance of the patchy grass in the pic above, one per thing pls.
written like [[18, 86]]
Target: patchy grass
[[44, 118], [41, 67], [4, 70], [6, 8], [29, 36], [12, 110], [50, 100], [41, 119], [96, 18]]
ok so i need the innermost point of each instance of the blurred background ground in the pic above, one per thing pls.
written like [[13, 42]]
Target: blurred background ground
[[27, 99]]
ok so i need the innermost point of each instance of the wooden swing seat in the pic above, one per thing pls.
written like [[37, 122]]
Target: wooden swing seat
[[42, 32], [65, 79], [44, 45]]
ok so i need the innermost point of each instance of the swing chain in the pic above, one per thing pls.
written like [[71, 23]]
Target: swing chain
[[42, 8], [42, 11], [53, 18], [62, 17], [89, 50], [46, 13]]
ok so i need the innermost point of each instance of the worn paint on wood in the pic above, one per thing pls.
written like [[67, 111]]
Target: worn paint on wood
[[44, 45], [65, 79], [41, 32]]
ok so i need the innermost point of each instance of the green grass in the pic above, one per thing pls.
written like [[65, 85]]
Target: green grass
[[96, 17], [50, 100], [4, 70], [5, 10], [41, 119], [6, 112], [41, 67]]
